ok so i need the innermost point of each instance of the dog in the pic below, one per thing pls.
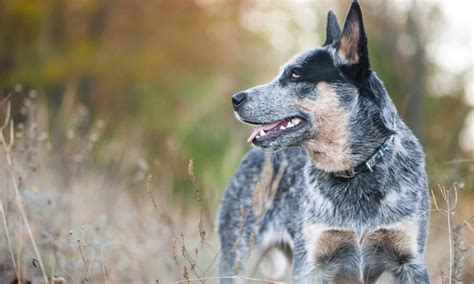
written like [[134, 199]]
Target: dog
[[346, 195]]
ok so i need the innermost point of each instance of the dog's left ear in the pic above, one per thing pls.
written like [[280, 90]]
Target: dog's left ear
[[352, 57], [333, 31]]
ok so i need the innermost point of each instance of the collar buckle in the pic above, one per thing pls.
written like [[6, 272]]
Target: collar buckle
[[369, 167]]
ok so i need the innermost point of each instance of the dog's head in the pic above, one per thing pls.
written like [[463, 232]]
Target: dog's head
[[317, 98]]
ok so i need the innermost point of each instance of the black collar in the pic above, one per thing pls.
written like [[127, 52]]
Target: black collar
[[368, 165]]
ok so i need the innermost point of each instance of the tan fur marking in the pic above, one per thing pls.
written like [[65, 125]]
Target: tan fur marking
[[401, 237], [330, 149], [331, 240], [348, 45], [322, 240]]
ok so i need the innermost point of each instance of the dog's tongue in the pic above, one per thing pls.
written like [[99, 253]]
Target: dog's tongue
[[263, 127]]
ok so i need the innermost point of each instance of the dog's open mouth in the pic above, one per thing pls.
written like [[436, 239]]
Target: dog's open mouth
[[275, 129]]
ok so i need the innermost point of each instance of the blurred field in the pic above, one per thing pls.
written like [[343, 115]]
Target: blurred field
[[112, 99]]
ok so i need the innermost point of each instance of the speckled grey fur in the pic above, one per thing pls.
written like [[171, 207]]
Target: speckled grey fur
[[374, 205]]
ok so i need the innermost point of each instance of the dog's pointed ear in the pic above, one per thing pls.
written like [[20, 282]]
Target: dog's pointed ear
[[352, 55], [333, 31]]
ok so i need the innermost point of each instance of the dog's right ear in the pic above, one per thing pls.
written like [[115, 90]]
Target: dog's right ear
[[352, 57], [333, 31]]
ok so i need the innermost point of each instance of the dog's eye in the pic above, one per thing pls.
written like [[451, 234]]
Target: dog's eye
[[295, 75]]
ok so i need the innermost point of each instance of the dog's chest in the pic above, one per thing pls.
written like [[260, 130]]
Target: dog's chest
[[347, 204]]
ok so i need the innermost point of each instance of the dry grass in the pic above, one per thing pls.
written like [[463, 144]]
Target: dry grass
[[455, 269], [68, 218]]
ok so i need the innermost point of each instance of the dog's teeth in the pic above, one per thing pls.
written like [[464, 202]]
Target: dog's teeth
[[282, 127], [296, 121], [289, 124], [262, 132]]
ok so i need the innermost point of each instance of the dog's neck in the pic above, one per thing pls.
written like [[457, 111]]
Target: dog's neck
[[380, 160], [382, 153], [346, 156]]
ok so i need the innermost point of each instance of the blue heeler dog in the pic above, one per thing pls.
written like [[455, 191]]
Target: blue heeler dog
[[336, 181]]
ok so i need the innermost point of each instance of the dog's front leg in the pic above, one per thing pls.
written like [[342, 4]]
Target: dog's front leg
[[394, 248], [302, 269]]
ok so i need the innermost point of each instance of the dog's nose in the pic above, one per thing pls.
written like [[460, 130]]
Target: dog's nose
[[238, 99]]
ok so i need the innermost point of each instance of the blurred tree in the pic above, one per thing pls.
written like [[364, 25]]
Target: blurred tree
[[417, 73]]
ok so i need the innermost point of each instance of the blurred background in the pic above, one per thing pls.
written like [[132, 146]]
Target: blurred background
[[126, 89]]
